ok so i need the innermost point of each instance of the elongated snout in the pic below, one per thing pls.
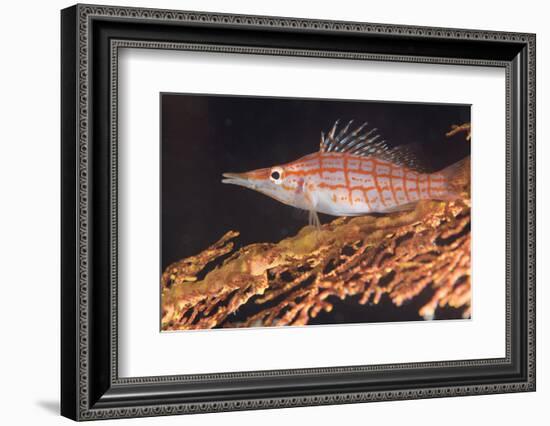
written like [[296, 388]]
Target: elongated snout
[[253, 179], [240, 179], [268, 181]]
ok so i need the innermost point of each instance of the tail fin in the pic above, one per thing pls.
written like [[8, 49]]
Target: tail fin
[[457, 176]]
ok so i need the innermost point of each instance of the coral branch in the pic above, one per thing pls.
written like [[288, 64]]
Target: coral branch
[[455, 129], [398, 255]]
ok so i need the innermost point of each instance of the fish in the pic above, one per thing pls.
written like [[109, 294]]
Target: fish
[[353, 173]]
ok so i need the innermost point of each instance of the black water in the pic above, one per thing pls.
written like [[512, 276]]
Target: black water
[[203, 136]]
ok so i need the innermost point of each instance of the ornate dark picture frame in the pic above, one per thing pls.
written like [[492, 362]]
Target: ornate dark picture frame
[[91, 387]]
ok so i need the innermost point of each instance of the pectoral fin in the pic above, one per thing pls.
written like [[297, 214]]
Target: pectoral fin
[[314, 219]]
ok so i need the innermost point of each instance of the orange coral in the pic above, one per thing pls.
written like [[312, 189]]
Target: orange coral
[[397, 255], [288, 283]]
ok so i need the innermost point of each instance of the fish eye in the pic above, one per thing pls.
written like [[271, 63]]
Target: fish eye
[[276, 175]]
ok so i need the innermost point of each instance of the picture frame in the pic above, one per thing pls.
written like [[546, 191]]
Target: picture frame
[[91, 39]]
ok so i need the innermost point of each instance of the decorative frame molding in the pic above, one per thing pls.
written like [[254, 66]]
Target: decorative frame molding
[[91, 388]]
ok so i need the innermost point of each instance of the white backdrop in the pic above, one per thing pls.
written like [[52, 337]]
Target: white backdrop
[[29, 217], [140, 342]]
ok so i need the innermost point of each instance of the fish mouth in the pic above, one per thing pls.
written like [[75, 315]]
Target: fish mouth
[[240, 179]]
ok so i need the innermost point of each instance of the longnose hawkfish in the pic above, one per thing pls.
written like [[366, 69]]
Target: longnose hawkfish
[[354, 173]]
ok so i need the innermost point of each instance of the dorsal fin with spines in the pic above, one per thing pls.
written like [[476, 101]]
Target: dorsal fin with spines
[[367, 143]]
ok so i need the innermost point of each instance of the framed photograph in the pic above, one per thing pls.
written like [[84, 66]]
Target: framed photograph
[[263, 212]]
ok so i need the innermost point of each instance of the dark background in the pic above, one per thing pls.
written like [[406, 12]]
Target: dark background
[[203, 136]]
